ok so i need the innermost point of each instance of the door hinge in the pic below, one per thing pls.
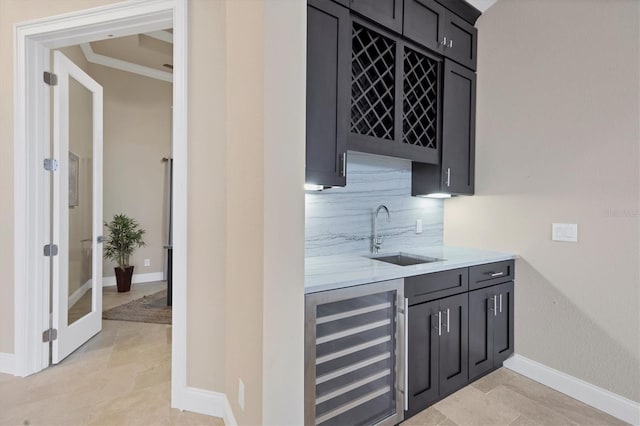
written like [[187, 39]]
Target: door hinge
[[50, 250], [49, 335], [50, 164], [50, 78]]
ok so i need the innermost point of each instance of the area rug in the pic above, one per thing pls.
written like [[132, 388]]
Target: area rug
[[152, 308]]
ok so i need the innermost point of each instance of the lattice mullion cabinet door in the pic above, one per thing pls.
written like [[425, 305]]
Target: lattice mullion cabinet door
[[420, 108], [375, 89]]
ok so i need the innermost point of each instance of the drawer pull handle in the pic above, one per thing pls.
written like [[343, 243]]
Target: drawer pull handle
[[500, 302], [495, 274]]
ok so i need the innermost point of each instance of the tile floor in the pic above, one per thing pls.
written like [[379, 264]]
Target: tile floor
[[122, 377], [119, 377], [506, 398], [111, 298]]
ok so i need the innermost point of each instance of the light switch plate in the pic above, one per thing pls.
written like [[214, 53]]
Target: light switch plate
[[419, 226], [564, 232]]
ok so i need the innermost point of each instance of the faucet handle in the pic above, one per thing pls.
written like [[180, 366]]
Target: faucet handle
[[377, 243]]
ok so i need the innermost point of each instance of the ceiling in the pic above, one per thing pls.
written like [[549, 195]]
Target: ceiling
[[481, 5], [138, 49], [151, 52]]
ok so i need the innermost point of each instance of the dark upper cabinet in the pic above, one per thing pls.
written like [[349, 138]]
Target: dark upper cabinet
[[384, 12], [461, 42], [437, 350], [455, 173], [458, 129], [424, 22], [433, 26], [491, 322], [395, 96], [328, 57]]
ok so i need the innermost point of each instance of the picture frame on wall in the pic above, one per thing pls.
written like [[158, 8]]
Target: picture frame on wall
[[74, 179]]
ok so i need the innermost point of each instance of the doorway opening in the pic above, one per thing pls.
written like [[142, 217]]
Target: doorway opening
[[34, 43], [135, 75]]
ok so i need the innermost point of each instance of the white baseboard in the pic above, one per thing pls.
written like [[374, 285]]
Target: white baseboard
[[137, 278], [602, 399], [229, 418], [7, 363], [208, 402], [79, 293]]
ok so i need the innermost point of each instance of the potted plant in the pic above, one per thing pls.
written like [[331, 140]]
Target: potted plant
[[125, 235]]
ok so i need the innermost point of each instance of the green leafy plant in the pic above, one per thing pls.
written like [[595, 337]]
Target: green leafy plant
[[125, 235]]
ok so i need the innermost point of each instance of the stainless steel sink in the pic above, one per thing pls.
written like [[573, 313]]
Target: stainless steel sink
[[405, 259]]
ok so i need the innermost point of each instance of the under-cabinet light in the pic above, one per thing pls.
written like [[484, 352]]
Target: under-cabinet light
[[437, 195], [313, 187]]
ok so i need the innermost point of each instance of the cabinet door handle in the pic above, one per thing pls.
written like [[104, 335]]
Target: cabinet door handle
[[495, 306], [439, 323], [500, 302], [451, 43], [444, 41], [448, 176], [447, 320], [406, 353], [344, 164], [495, 274]]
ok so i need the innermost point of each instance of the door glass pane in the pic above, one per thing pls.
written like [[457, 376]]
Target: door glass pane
[[81, 238]]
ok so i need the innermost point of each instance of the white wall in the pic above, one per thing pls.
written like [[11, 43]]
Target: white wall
[[558, 141]]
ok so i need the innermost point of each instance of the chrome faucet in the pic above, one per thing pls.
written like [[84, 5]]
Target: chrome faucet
[[376, 242]]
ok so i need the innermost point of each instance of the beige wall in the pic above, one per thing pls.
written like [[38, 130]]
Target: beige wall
[[283, 293], [557, 141], [246, 217], [207, 233], [245, 206]]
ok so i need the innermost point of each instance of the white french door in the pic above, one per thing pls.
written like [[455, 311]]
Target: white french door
[[77, 208]]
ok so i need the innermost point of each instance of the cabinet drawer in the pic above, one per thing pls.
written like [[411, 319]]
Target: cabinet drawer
[[423, 288], [490, 274]]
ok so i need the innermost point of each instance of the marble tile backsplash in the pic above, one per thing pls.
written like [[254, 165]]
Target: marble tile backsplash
[[340, 220]]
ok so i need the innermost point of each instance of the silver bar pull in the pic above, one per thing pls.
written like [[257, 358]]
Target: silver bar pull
[[444, 41], [495, 274], [448, 176], [406, 353], [451, 43], [344, 164], [500, 302], [439, 323], [495, 306], [447, 320]]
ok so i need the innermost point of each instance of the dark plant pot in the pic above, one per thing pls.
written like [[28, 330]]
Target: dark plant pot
[[123, 278]]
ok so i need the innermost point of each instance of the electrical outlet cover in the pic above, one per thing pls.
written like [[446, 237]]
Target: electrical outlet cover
[[567, 232]]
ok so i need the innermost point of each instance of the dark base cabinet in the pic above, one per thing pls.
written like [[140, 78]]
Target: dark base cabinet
[[438, 354], [455, 340], [490, 328]]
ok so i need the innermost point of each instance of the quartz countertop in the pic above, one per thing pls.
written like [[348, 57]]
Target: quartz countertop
[[338, 271]]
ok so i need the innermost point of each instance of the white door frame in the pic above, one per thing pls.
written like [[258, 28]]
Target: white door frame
[[33, 42]]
